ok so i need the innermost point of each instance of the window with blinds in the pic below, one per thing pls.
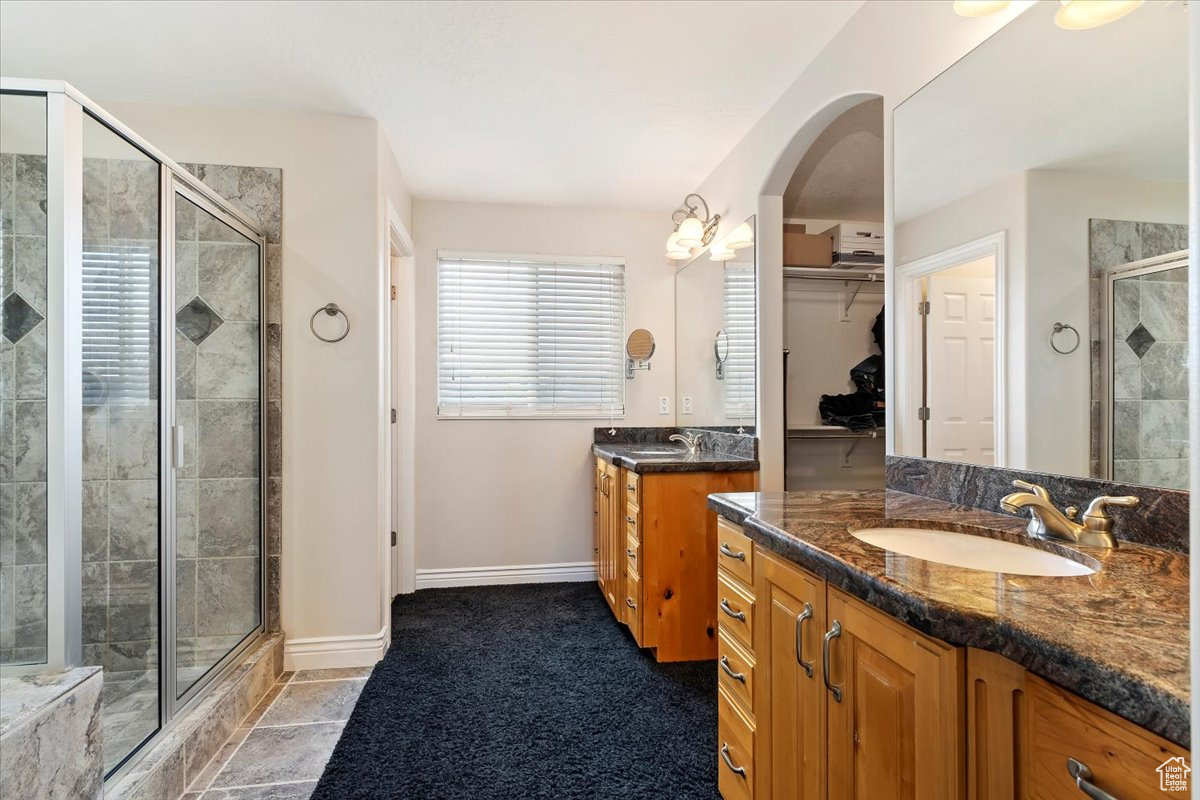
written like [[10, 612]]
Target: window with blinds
[[119, 299], [739, 327], [530, 336]]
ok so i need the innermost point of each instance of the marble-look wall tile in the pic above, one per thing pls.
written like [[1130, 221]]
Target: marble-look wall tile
[[229, 511], [29, 364], [228, 438], [7, 202], [227, 363], [29, 612], [133, 520], [185, 597], [228, 278], [29, 523], [133, 199], [133, 603], [187, 515], [95, 198], [29, 192], [95, 602], [228, 595], [30, 270], [133, 433], [95, 442], [29, 440], [256, 192]]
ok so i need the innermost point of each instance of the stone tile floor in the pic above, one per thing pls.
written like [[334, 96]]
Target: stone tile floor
[[281, 748]]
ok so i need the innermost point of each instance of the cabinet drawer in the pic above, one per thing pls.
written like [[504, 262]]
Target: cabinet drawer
[[632, 522], [1123, 759], [735, 551], [735, 609], [735, 671], [735, 750], [632, 604], [633, 486], [632, 555]]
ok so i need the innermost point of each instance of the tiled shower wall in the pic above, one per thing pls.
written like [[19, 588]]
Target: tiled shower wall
[[1150, 355], [120, 446], [23, 410]]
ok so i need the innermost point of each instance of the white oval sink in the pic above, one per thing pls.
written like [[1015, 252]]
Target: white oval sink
[[972, 552]]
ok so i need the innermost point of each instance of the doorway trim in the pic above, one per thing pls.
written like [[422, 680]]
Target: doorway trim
[[399, 378], [908, 339]]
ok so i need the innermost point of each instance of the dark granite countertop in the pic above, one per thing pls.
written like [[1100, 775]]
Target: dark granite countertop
[[1118, 637], [633, 457]]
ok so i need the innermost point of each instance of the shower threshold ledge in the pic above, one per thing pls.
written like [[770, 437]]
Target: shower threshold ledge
[[165, 771]]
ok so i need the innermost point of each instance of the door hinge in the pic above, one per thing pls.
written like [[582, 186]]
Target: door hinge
[[923, 413], [922, 307], [393, 416], [393, 291], [393, 538]]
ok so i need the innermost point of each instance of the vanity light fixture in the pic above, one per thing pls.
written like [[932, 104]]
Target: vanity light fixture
[[1079, 15], [722, 252], [979, 8], [742, 236], [690, 230]]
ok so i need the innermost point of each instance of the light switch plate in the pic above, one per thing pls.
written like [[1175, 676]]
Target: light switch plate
[[664, 405], [685, 404]]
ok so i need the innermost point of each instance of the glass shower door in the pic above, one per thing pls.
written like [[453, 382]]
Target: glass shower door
[[218, 438]]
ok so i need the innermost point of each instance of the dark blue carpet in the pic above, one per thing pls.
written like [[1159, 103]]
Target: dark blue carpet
[[530, 691]]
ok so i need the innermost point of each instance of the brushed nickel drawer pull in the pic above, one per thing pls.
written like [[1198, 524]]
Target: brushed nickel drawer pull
[[629, 602], [630, 520], [629, 552], [1083, 779], [736, 770], [737, 676], [631, 487], [726, 551], [800, 618], [834, 633], [738, 615]]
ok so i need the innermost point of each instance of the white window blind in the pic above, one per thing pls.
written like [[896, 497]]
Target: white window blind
[[530, 336], [119, 317], [739, 327]]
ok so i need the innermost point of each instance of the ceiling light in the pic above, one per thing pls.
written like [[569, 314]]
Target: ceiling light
[[676, 251], [1079, 15], [742, 236], [979, 8], [721, 252], [690, 230]]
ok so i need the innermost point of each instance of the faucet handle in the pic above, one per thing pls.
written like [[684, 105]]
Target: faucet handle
[[1040, 491], [1097, 518]]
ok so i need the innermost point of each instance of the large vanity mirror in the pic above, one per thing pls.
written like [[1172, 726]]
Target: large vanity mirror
[[717, 346], [1040, 244]]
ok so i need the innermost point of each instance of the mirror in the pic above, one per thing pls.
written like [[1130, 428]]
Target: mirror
[[1040, 246], [715, 335], [639, 347]]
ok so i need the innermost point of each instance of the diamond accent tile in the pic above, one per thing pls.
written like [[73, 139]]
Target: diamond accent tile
[[19, 317], [197, 321], [1140, 340]]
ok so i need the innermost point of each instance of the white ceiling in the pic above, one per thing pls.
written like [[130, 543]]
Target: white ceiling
[[841, 175], [627, 104], [1110, 100]]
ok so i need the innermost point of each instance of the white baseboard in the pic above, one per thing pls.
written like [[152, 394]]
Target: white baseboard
[[325, 652], [576, 571]]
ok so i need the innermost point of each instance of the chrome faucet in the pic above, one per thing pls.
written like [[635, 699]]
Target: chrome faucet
[[1047, 522], [693, 441]]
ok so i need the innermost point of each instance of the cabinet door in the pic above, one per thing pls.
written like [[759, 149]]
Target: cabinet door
[[597, 525], [897, 730], [790, 700]]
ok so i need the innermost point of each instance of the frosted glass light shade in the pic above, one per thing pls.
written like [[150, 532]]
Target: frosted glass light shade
[[676, 251], [979, 8], [721, 252], [742, 236], [1079, 15], [691, 232]]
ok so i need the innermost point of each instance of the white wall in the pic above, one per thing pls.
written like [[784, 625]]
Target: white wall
[[498, 493], [334, 168], [897, 47]]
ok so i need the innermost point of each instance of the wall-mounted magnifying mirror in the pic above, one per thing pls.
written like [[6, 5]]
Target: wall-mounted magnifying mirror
[[639, 347], [721, 352]]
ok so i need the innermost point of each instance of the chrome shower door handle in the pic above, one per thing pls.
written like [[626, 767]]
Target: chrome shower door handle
[[834, 633], [177, 446], [806, 614]]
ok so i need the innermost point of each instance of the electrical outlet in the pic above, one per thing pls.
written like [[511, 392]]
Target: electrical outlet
[[685, 404], [664, 405]]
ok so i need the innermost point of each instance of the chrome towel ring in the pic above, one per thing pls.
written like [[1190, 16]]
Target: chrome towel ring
[[332, 309], [1059, 327]]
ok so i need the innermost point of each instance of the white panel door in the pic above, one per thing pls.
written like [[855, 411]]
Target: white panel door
[[960, 376]]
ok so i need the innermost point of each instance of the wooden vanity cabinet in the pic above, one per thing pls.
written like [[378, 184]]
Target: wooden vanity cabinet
[[656, 552]]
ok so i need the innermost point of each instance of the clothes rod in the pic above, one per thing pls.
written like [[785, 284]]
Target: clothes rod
[[824, 274]]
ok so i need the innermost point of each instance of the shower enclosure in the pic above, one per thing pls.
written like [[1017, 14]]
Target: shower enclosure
[[131, 415], [1144, 353]]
